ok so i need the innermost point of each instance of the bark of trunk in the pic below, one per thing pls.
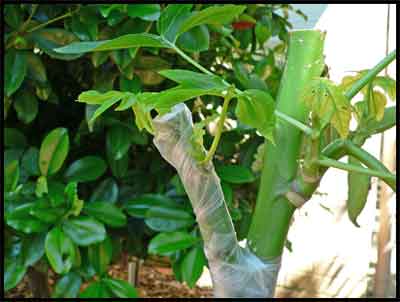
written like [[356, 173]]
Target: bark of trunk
[[38, 283]]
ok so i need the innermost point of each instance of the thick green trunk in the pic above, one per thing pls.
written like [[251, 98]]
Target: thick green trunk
[[273, 211]]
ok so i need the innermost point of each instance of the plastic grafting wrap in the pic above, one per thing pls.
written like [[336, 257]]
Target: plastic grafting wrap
[[235, 271]]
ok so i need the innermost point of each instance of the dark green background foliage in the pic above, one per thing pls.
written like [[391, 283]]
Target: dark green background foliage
[[76, 197]]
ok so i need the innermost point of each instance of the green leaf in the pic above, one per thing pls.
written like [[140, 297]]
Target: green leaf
[[215, 15], [15, 70], [100, 255], [96, 289], [30, 161], [228, 193], [192, 265], [11, 176], [387, 84], [13, 16], [191, 79], [255, 108], [122, 42], [67, 286], [33, 248], [50, 39], [85, 169], [13, 273], [263, 33], [98, 58], [56, 193], [106, 212], [235, 174], [107, 191], [171, 20], [104, 106], [358, 189], [329, 104], [21, 220], [143, 118], [388, 121], [14, 138], [247, 80], [130, 85], [84, 231], [171, 242], [167, 219], [43, 211], [196, 39], [138, 207], [118, 141], [36, 69], [60, 250], [120, 288], [163, 101], [53, 151], [26, 106], [119, 168], [148, 12], [94, 97], [41, 186]]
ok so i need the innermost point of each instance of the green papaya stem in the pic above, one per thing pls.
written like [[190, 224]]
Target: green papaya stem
[[220, 128], [328, 162], [370, 75], [370, 161], [273, 212], [299, 125]]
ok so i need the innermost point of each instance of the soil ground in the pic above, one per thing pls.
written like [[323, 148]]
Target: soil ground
[[155, 281]]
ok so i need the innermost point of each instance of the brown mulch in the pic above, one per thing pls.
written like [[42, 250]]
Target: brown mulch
[[154, 281]]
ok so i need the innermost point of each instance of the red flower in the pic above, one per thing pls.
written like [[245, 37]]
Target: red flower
[[242, 25]]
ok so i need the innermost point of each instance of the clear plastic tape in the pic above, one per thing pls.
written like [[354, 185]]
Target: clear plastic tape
[[235, 271]]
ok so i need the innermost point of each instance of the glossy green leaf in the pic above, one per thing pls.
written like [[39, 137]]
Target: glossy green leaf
[[122, 42], [358, 189], [100, 255], [148, 12], [106, 212], [84, 231], [43, 211], [36, 69], [171, 20], [14, 271], [87, 168], [67, 286], [256, 108], [167, 219], [107, 191], [235, 174], [247, 80], [30, 161], [192, 265], [53, 151], [94, 97], [14, 138], [120, 288], [228, 192], [56, 193], [33, 248], [129, 85], [118, 141], [49, 39], [60, 250], [119, 168], [41, 186], [212, 15], [196, 39], [171, 242], [191, 79], [15, 70], [262, 32], [21, 220], [138, 206], [26, 106], [11, 176], [96, 289]]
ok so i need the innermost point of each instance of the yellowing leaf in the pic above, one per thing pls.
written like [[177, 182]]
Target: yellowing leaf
[[329, 104], [377, 103]]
